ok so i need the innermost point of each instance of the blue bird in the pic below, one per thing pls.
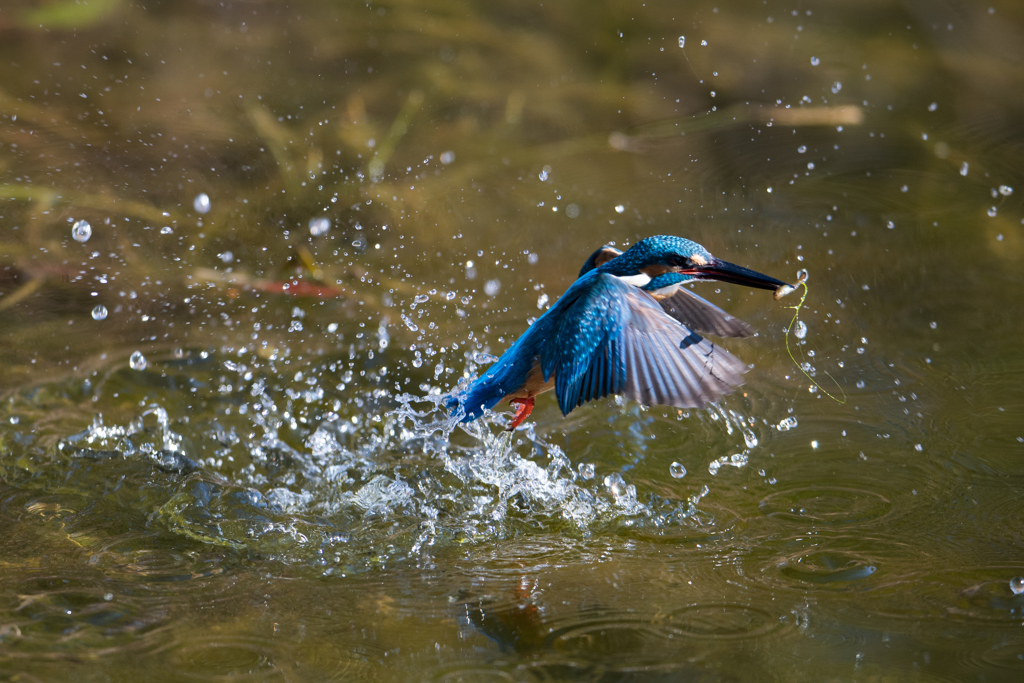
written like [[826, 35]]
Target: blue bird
[[626, 327]]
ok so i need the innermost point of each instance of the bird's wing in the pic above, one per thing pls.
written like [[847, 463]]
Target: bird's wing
[[703, 316], [615, 339]]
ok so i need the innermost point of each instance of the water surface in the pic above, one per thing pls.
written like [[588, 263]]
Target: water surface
[[221, 452]]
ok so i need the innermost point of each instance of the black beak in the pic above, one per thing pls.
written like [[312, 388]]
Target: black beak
[[724, 271]]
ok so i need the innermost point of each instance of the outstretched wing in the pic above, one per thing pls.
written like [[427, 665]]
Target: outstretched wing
[[703, 316], [615, 339]]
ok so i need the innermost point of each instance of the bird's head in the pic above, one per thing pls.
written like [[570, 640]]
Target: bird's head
[[654, 256]]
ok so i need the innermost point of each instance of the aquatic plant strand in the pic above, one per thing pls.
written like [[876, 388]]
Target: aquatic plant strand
[[792, 323]]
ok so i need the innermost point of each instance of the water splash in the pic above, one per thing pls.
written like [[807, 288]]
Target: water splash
[[321, 463]]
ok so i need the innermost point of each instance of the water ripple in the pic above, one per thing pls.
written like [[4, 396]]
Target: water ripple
[[833, 505]]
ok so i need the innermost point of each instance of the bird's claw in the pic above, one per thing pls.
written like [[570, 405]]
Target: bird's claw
[[524, 406]]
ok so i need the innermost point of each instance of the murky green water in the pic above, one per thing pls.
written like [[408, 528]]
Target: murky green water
[[267, 490]]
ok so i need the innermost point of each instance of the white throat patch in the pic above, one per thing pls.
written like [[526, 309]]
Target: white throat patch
[[635, 280]]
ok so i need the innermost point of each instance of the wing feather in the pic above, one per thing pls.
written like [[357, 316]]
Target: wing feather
[[702, 316], [613, 338]]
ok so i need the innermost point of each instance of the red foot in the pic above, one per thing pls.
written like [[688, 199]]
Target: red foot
[[524, 406]]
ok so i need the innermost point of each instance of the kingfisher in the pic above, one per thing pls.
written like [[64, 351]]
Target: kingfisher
[[626, 327]]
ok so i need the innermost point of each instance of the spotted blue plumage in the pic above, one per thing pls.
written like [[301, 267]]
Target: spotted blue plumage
[[607, 336]]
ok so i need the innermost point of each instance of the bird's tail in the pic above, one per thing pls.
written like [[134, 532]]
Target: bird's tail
[[472, 401]]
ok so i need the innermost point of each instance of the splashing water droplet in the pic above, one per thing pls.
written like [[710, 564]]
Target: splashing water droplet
[[99, 312], [992, 212], [677, 470], [704, 43], [964, 168], [137, 361], [319, 226], [800, 329], [586, 470], [801, 149], [619, 208], [81, 231], [787, 423], [1005, 190], [682, 41], [749, 438], [421, 299], [815, 61], [623, 493], [1017, 585], [166, 230], [542, 301], [860, 384], [201, 203]]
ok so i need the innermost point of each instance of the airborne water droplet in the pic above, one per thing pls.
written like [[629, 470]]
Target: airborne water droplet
[[99, 313], [677, 470], [81, 231], [682, 41], [750, 438], [815, 61], [137, 361], [1017, 585], [201, 203], [787, 423], [319, 226]]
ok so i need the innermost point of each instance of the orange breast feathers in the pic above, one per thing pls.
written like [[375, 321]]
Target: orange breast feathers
[[534, 384]]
